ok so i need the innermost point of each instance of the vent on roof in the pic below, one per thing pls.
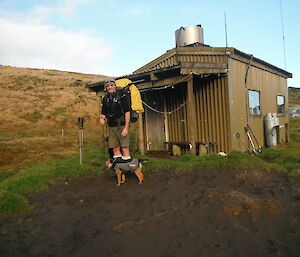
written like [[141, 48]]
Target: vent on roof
[[185, 36]]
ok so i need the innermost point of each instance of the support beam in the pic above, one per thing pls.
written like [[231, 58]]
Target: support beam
[[153, 76], [191, 115]]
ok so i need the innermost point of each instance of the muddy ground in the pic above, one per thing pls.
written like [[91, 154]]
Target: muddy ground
[[214, 213]]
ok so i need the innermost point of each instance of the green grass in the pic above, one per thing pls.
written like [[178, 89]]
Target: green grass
[[11, 203], [236, 160], [3, 176], [13, 189], [295, 129], [286, 156]]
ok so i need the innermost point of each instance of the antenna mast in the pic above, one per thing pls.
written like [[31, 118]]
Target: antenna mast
[[284, 54], [225, 29]]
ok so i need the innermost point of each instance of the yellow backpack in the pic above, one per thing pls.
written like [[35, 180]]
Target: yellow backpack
[[135, 97]]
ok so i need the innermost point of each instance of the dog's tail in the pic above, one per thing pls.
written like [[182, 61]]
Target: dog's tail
[[143, 160]]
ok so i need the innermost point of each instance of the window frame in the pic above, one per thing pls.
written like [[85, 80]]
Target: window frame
[[277, 106], [259, 103]]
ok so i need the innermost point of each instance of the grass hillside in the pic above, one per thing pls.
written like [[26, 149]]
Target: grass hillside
[[36, 105], [44, 98], [294, 96]]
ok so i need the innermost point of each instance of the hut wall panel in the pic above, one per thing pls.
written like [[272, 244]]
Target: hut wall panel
[[211, 113], [269, 85], [205, 136], [217, 115], [177, 120], [210, 99], [201, 117], [210, 118], [226, 115]]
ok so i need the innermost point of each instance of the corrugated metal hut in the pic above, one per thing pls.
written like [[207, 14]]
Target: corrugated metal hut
[[201, 98]]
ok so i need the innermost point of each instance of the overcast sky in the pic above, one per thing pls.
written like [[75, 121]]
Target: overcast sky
[[114, 37]]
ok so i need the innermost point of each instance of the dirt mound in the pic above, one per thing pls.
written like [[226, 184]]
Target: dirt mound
[[194, 213]]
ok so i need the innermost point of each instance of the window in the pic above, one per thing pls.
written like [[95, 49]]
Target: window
[[254, 102], [280, 105]]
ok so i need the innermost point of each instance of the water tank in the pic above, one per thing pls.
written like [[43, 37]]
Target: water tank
[[271, 123], [189, 35]]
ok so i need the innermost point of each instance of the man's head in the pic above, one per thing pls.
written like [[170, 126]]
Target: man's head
[[110, 85]]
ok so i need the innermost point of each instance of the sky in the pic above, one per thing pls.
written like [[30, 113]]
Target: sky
[[114, 37]]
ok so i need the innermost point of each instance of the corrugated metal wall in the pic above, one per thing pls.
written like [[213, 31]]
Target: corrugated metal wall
[[154, 120], [212, 113], [269, 85], [177, 121], [210, 97]]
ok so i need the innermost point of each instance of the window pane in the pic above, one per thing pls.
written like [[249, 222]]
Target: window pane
[[254, 102], [280, 104]]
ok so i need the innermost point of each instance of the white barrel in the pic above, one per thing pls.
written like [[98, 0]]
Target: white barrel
[[189, 35], [276, 119], [270, 130]]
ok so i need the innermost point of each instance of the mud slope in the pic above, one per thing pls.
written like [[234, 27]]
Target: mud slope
[[196, 213]]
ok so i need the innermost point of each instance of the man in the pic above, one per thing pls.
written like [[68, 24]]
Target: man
[[116, 112]]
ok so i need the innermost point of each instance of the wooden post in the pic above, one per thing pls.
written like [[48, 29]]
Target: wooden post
[[191, 115], [141, 134]]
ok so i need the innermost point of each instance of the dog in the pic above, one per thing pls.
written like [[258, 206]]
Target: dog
[[121, 167]]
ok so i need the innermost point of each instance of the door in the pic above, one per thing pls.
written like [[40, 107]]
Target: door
[[154, 120]]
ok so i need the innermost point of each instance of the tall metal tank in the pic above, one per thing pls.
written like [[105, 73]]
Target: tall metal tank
[[271, 122], [189, 35]]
